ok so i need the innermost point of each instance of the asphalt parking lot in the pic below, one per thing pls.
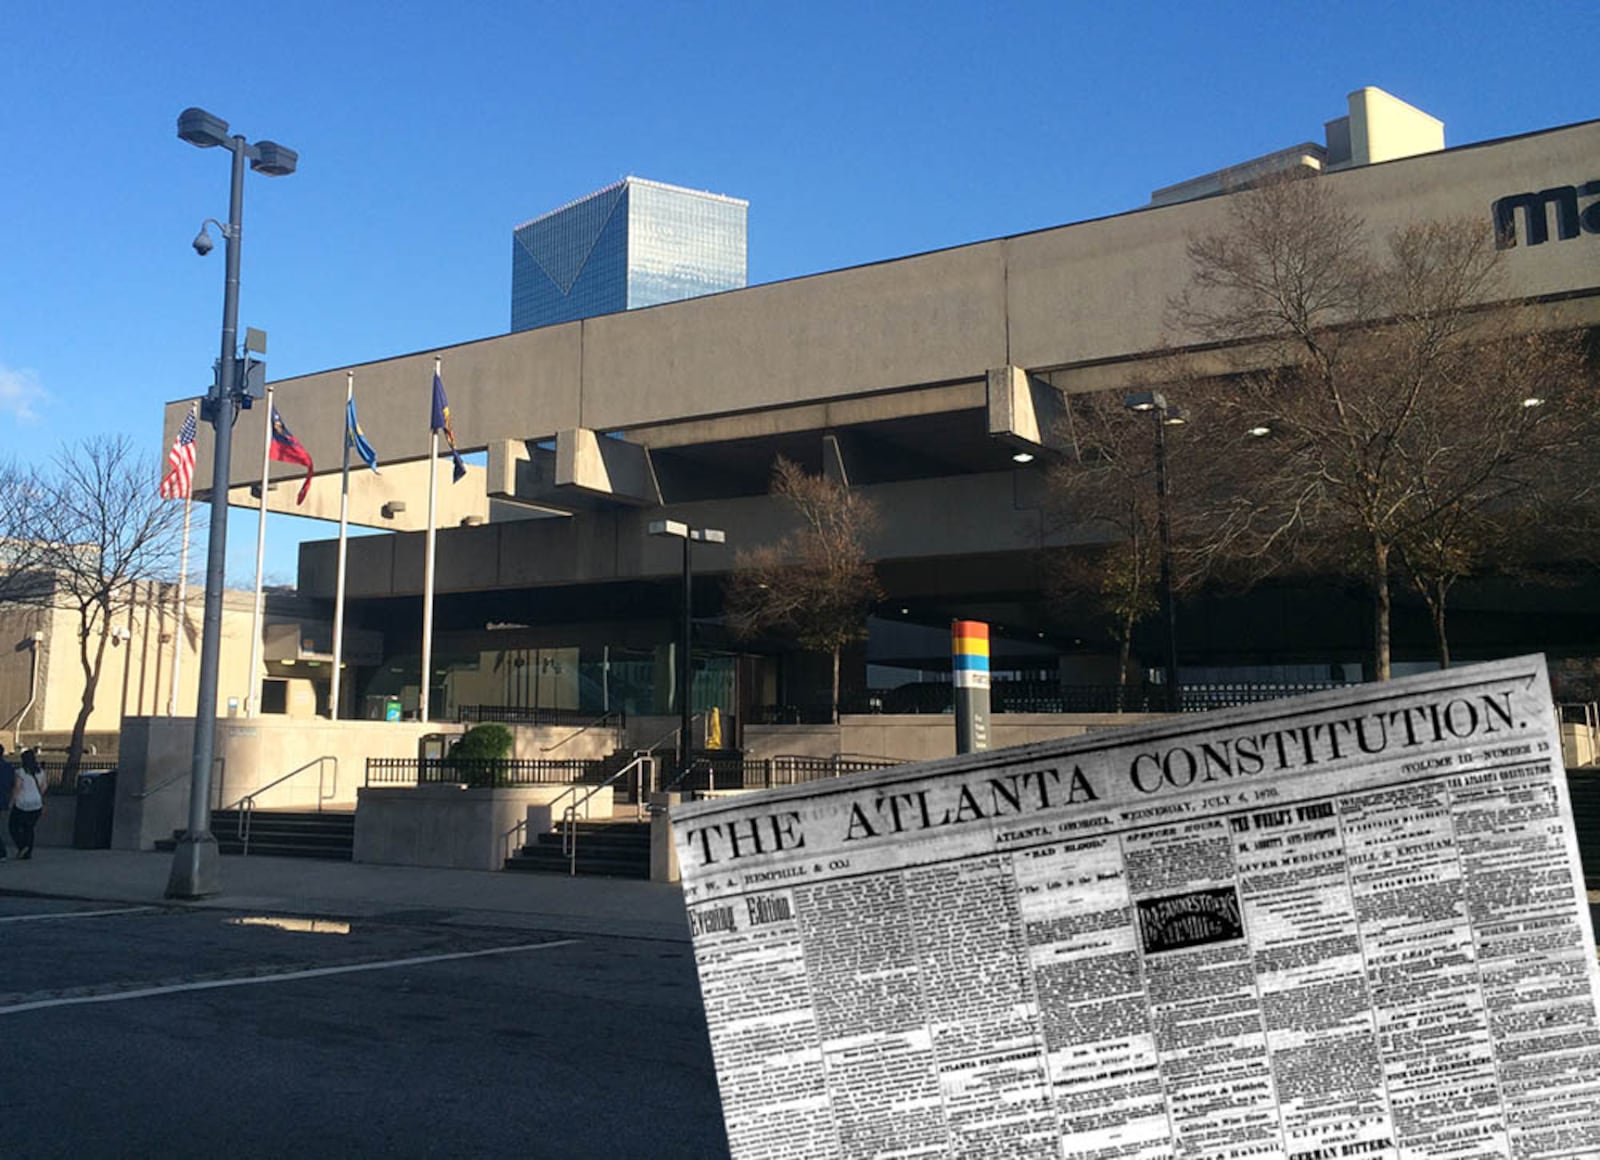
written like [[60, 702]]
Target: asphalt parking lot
[[149, 1030]]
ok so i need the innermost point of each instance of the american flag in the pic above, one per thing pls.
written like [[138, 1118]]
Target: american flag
[[175, 484]]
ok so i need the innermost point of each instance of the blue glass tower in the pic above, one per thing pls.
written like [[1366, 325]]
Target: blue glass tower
[[635, 243]]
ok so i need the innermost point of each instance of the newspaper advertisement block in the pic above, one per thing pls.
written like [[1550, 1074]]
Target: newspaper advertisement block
[[1345, 925]]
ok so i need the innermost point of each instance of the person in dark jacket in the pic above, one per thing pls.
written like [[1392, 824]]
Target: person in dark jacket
[[8, 789]]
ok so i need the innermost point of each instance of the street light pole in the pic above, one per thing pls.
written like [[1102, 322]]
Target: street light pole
[[686, 663], [1164, 415], [681, 530], [195, 859]]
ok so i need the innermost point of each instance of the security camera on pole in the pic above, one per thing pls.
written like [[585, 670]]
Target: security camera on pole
[[195, 861]]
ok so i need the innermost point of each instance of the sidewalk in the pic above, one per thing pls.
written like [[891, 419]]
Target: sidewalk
[[304, 886]]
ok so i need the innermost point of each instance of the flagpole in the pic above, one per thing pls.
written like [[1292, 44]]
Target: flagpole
[[261, 551], [344, 543], [183, 603], [427, 558]]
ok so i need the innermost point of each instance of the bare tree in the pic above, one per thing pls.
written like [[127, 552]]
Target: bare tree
[[1112, 586], [21, 554], [816, 585], [1400, 405], [1104, 490], [95, 530]]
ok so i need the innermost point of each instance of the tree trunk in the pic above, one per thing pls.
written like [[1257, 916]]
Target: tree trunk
[[91, 682], [1380, 609], [836, 651], [1124, 655], [1436, 606]]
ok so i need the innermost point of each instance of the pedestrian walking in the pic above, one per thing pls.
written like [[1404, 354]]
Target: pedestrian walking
[[27, 802]]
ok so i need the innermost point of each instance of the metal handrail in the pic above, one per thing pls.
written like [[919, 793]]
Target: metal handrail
[[598, 721], [670, 733], [177, 777], [247, 804], [569, 816], [515, 838], [876, 758]]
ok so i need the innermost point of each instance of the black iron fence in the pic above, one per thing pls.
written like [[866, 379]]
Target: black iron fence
[[529, 715], [1037, 697], [725, 773], [481, 773], [54, 769]]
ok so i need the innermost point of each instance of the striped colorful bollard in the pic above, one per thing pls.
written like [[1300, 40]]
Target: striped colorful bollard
[[969, 669]]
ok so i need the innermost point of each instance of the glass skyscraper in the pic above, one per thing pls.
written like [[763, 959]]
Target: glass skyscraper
[[635, 243]]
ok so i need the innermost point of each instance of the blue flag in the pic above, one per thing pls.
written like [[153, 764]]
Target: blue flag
[[355, 437], [441, 422]]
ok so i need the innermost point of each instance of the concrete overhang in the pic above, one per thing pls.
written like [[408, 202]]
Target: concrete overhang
[[583, 471], [1024, 412], [396, 499]]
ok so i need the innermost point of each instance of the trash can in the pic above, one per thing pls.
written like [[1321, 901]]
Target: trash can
[[97, 799]]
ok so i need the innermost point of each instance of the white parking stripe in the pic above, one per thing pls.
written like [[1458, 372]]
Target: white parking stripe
[[75, 914], [287, 976]]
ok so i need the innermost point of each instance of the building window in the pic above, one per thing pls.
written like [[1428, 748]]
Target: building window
[[274, 696]]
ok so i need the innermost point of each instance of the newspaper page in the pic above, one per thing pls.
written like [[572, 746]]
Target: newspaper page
[[1345, 925]]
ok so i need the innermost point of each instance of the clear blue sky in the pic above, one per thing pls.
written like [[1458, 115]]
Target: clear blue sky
[[857, 131]]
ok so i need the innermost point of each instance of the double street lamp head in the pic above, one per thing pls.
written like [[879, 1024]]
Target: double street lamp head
[[677, 529], [1146, 401], [207, 130]]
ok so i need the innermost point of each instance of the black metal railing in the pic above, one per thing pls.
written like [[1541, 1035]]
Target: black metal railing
[[481, 773], [815, 713], [529, 715], [727, 773], [55, 770], [1198, 698], [934, 697]]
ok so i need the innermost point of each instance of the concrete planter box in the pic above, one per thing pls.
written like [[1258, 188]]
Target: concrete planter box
[[445, 825]]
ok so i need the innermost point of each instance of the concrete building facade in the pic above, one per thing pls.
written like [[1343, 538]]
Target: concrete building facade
[[914, 379], [42, 677]]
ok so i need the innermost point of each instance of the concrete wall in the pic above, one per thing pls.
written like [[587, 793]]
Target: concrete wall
[[561, 742], [260, 751], [153, 776], [155, 760], [919, 737], [443, 825], [17, 625]]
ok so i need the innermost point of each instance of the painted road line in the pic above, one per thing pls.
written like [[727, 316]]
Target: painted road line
[[285, 977], [76, 914]]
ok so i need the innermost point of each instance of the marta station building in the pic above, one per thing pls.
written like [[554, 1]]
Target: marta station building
[[925, 382]]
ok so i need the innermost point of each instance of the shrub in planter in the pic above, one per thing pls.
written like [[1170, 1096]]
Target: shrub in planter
[[478, 758]]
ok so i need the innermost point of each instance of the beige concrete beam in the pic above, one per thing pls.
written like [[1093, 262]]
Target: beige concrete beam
[[1024, 411], [396, 499], [612, 468], [836, 413]]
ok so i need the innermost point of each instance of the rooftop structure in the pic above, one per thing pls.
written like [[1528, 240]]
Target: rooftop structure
[[1378, 127]]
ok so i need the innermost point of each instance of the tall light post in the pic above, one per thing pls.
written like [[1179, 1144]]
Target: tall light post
[[195, 862], [1165, 415], [689, 536]]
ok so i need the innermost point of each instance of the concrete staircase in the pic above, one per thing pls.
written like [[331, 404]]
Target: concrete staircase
[[619, 849], [327, 834]]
